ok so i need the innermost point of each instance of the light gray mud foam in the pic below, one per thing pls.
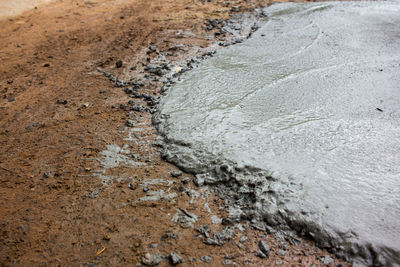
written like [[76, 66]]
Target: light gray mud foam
[[299, 126]]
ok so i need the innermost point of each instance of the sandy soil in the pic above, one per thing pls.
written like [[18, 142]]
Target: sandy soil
[[62, 130]]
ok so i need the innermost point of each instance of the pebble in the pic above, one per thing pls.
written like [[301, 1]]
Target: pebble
[[46, 174], [151, 259], [264, 248], [118, 64], [235, 9], [199, 180], [130, 123], [93, 194], [176, 173], [281, 252], [11, 99], [181, 188], [206, 259], [185, 180], [215, 219], [175, 258], [131, 187], [227, 262], [260, 254], [243, 239], [146, 189], [326, 260], [34, 124]]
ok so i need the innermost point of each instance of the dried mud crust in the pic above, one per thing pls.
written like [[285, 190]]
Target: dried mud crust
[[82, 181]]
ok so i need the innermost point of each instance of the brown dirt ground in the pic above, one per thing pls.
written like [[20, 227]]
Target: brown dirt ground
[[51, 53]]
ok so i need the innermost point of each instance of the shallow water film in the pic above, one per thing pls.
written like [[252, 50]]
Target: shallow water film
[[299, 126]]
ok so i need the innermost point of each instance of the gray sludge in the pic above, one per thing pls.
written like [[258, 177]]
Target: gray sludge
[[299, 126]]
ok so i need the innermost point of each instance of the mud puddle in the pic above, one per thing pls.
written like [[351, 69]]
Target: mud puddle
[[298, 126]]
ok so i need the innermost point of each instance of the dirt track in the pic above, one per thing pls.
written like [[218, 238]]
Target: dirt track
[[58, 118]]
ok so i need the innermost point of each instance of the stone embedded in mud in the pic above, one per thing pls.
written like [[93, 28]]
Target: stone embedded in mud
[[326, 260], [151, 259], [176, 173], [118, 64], [184, 218], [93, 194], [215, 219], [62, 101], [282, 103], [206, 259], [260, 254], [282, 253], [204, 178], [130, 123], [199, 180], [219, 238], [263, 247], [175, 258], [226, 262]]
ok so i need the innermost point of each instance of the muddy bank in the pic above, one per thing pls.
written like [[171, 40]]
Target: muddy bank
[[292, 129], [82, 180]]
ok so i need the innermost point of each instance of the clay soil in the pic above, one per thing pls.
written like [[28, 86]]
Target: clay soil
[[58, 116]]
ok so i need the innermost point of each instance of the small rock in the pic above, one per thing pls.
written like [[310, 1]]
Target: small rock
[[46, 174], [227, 262], [151, 259], [11, 99], [215, 220], [181, 188], [260, 254], [204, 230], [118, 64], [93, 194], [131, 187], [46, 65], [185, 180], [175, 258], [146, 189], [130, 123], [34, 124], [62, 102], [326, 260], [281, 252], [263, 247], [176, 173], [206, 259], [199, 180], [153, 245], [235, 9]]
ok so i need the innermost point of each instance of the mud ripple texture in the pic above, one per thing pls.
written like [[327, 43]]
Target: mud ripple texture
[[299, 126]]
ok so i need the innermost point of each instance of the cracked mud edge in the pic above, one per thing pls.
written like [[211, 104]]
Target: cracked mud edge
[[254, 195]]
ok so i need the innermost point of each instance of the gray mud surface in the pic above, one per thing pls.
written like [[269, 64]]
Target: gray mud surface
[[299, 126]]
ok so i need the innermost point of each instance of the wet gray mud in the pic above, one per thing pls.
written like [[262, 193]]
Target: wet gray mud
[[298, 128]]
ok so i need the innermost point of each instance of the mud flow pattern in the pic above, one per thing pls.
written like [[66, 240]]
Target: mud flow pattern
[[304, 117]]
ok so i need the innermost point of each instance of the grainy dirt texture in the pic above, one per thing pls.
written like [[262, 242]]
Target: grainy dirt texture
[[81, 179]]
